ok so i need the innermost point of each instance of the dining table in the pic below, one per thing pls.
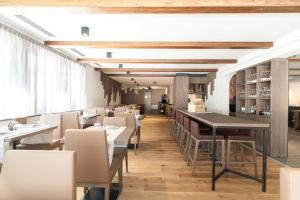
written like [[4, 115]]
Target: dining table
[[216, 121], [116, 137], [9, 138]]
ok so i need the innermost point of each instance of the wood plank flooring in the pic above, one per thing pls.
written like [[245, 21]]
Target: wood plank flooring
[[158, 172]]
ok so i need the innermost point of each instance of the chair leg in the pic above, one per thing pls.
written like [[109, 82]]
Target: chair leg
[[228, 153], [106, 192], [134, 149], [189, 151], [120, 177], [187, 145], [195, 157], [254, 158], [126, 161], [223, 154]]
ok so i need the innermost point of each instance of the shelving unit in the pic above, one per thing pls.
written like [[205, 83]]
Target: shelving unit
[[198, 89], [265, 87]]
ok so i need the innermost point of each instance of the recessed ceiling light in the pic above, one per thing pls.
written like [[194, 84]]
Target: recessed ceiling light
[[108, 54], [85, 31], [132, 79]]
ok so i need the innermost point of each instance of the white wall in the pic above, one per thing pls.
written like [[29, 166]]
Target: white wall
[[95, 90], [219, 100], [294, 92]]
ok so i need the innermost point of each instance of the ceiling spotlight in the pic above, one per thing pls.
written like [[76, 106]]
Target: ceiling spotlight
[[108, 54], [138, 84], [128, 72], [154, 82], [85, 31], [132, 79], [120, 66]]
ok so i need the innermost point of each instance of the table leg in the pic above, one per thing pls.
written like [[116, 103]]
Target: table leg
[[214, 147], [264, 167]]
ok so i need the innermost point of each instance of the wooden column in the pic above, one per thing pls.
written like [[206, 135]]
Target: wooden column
[[181, 91], [279, 107]]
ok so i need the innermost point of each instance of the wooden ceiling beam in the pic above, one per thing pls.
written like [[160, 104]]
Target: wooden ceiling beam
[[160, 45], [162, 6], [141, 75], [174, 70], [294, 59], [156, 61]]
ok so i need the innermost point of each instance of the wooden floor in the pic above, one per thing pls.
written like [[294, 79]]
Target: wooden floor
[[158, 172]]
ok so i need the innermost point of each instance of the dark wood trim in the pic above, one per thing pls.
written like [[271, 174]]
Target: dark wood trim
[[156, 61], [160, 45], [141, 75], [114, 70], [294, 60]]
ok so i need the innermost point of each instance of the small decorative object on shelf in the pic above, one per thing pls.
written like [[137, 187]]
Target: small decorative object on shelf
[[242, 94], [265, 76], [252, 78], [252, 93], [265, 93], [252, 109]]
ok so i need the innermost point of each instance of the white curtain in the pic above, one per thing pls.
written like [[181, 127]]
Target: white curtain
[[34, 79]]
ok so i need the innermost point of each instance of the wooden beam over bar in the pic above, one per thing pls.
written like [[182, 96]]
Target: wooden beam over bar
[[162, 6], [175, 70], [294, 60], [156, 61], [160, 45], [141, 75]]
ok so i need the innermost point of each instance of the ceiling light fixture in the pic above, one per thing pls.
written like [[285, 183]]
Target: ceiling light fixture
[[132, 79], [120, 66], [85, 31], [154, 82], [108, 54]]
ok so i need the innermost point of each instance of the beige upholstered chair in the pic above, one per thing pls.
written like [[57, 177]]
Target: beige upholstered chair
[[49, 119], [137, 112], [114, 121], [90, 111], [69, 120], [131, 123], [37, 175], [101, 112], [289, 183], [93, 168]]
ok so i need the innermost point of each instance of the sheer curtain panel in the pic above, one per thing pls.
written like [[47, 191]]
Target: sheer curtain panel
[[34, 79]]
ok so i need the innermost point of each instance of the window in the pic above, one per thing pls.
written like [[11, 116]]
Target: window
[[35, 79]]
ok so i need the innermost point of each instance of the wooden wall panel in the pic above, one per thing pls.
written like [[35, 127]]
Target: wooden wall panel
[[131, 97], [279, 107], [181, 91]]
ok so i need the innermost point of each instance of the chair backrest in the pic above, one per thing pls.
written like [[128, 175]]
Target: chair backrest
[[54, 120], [186, 124], [181, 119], [177, 116], [130, 119], [92, 154], [69, 120], [135, 111], [114, 121], [100, 110], [91, 111], [194, 128], [120, 109], [38, 175]]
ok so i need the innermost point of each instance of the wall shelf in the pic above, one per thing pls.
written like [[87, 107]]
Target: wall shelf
[[266, 90]]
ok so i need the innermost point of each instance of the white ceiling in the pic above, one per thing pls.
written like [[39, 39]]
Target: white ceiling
[[161, 27]]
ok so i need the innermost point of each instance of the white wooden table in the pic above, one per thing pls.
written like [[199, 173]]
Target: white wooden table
[[9, 139]]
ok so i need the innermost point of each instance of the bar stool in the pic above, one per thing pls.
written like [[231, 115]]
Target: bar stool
[[172, 124], [184, 144], [175, 125], [180, 130], [242, 137], [202, 136]]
